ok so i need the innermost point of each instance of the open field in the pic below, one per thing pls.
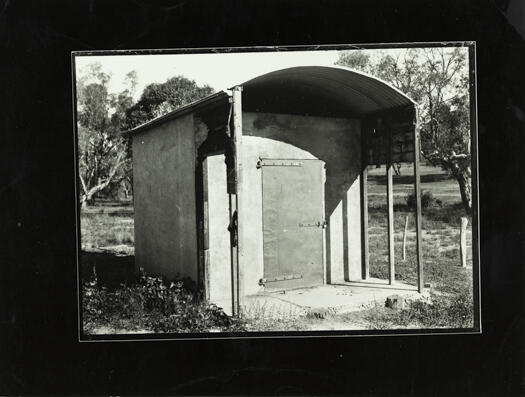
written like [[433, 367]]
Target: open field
[[440, 225], [108, 227], [107, 261]]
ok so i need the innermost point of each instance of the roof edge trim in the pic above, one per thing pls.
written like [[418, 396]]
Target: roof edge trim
[[378, 79], [201, 103]]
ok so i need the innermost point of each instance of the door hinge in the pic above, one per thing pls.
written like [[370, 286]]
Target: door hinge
[[282, 278], [278, 163], [321, 224]]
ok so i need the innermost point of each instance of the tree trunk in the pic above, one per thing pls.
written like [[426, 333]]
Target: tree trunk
[[465, 189], [89, 194], [86, 200]]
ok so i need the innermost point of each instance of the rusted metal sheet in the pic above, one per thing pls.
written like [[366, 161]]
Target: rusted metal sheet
[[293, 224]]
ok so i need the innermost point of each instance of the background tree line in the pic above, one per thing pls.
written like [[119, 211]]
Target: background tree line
[[104, 155]]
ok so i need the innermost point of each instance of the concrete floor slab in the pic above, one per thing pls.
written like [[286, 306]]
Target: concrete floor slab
[[338, 298]]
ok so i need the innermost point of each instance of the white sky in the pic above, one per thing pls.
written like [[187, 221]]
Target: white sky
[[220, 71]]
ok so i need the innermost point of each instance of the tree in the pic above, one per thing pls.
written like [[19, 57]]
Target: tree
[[161, 98], [437, 79], [103, 162]]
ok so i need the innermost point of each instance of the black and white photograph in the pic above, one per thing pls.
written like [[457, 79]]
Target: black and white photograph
[[255, 191], [262, 198]]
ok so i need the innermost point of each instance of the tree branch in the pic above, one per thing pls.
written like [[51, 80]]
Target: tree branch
[[83, 184]]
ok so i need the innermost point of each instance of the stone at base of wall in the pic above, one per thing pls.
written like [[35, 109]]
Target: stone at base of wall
[[395, 302]]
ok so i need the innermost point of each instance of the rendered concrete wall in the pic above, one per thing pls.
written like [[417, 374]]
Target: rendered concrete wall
[[164, 199], [217, 250], [336, 141]]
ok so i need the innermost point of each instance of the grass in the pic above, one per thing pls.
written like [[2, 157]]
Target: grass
[[438, 311], [263, 317], [119, 303], [451, 298], [107, 227]]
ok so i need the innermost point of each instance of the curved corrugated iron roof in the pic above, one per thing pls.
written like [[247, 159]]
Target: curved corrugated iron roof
[[312, 90], [341, 89]]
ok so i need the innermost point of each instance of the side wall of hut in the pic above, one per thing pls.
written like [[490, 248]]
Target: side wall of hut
[[336, 141], [164, 199]]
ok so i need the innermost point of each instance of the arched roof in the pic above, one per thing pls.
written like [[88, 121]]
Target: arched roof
[[321, 90], [308, 90]]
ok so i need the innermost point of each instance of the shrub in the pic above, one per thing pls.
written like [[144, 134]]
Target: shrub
[[153, 303], [441, 311], [427, 200]]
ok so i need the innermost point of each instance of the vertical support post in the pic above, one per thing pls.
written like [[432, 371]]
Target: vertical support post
[[390, 206], [405, 239], [364, 222], [205, 230], [417, 191], [233, 255], [237, 139], [474, 183], [325, 272], [365, 269], [463, 241]]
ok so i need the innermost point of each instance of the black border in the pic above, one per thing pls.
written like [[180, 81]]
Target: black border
[[39, 350]]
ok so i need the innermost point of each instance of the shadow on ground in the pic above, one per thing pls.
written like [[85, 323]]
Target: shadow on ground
[[111, 270]]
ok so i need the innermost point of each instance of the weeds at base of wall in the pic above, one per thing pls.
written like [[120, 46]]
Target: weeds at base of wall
[[152, 304], [439, 311], [263, 317]]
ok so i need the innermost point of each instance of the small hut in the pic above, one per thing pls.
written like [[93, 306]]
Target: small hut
[[264, 188]]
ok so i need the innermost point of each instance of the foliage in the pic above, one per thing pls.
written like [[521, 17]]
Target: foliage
[[427, 200], [262, 317], [153, 303], [103, 161], [158, 99], [437, 79], [439, 311], [104, 155]]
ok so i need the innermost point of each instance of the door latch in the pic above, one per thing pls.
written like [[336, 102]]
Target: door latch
[[321, 224]]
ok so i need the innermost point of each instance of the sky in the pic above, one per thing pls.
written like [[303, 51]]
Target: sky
[[220, 71]]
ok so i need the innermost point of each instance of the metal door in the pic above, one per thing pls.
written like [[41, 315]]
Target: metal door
[[293, 222]]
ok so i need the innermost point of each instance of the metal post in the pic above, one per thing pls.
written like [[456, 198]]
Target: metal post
[[463, 242], [364, 222], [237, 139], [233, 253], [417, 188], [405, 239], [364, 204], [390, 206]]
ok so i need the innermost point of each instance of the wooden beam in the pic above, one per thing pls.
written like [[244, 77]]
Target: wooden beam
[[390, 206], [417, 188], [241, 214]]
